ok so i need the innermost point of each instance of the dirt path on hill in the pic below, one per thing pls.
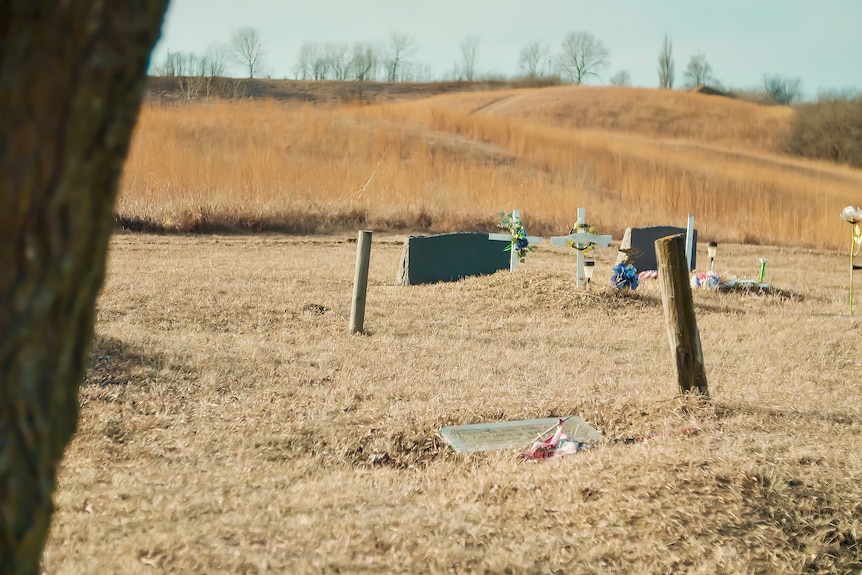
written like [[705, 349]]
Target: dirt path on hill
[[809, 168], [492, 105], [493, 153]]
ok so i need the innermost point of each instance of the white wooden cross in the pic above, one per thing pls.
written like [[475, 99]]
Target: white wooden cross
[[513, 256], [581, 239]]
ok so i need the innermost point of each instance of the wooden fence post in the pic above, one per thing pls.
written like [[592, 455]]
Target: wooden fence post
[[360, 282], [678, 304]]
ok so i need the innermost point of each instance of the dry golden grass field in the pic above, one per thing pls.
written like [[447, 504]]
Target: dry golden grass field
[[231, 424], [454, 161]]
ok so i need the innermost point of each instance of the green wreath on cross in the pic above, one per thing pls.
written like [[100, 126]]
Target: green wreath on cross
[[585, 248]]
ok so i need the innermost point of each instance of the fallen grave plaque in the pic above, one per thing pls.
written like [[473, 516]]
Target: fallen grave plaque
[[515, 434], [448, 258]]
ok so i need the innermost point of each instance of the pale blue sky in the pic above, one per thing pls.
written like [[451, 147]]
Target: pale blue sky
[[819, 41]]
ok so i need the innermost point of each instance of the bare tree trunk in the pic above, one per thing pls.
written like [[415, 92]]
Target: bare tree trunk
[[72, 75]]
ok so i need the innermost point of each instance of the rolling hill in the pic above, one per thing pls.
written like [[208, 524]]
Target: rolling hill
[[449, 157]]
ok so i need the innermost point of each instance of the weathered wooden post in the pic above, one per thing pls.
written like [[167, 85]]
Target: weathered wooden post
[[360, 282], [678, 304]]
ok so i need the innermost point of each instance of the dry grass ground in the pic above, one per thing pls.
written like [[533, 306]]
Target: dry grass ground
[[452, 162], [231, 424]]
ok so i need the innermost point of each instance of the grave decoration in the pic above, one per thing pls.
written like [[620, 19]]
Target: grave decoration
[[586, 247], [853, 216], [557, 445], [519, 243], [707, 280], [711, 250], [539, 439], [583, 238], [713, 281], [589, 268], [516, 434], [625, 274]]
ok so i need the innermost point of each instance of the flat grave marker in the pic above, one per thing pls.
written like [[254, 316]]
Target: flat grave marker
[[515, 434]]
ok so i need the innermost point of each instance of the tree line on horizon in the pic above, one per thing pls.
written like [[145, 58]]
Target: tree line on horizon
[[581, 57], [827, 129]]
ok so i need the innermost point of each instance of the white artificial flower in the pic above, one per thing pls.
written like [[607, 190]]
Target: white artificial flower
[[851, 214]]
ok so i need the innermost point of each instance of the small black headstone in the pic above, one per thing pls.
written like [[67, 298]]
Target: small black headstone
[[644, 240], [449, 257]]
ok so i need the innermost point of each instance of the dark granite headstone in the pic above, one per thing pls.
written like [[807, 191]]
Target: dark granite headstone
[[644, 240], [449, 257]]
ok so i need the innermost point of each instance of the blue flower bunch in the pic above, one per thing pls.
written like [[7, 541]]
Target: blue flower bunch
[[625, 276], [520, 243]]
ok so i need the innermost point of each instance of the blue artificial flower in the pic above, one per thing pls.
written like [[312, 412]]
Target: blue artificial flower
[[625, 276], [522, 243]]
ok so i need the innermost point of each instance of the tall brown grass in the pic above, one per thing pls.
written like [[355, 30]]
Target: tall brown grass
[[448, 163]]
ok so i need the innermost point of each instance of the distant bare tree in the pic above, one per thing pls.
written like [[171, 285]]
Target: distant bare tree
[[833, 94], [336, 53], [532, 59], [781, 89], [176, 64], [238, 88], [210, 66], [320, 65], [621, 78], [215, 60], [423, 72], [582, 56], [410, 72], [169, 65], [302, 69], [666, 70], [470, 55], [188, 70], [247, 50], [401, 48], [313, 62], [698, 72], [192, 85], [364, 62]]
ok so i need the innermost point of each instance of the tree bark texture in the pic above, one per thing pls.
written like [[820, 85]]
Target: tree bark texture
[[71, 79], [680, 320]]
